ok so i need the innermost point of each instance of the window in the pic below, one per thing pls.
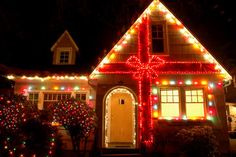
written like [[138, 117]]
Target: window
[[52, 97], [64, 57], [194, 103], [121, 101], [158, 38], [170, 102], [80, 96], [33, 97]]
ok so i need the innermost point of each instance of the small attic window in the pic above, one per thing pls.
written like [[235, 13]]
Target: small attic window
[[159, 38], [64, 56]]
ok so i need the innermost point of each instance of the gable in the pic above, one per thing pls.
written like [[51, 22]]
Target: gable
[[64, 50], [184, 54], [65, 40]]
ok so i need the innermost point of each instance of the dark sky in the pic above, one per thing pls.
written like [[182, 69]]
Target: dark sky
[[28, 28]]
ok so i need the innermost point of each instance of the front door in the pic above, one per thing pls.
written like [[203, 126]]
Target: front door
[[120, 118]]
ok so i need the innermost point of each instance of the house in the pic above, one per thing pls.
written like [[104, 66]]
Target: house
[[61, 80], [230, 101], [158, 76]]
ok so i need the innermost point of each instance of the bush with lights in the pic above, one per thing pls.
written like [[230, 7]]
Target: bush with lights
[[22, 133], [76, 117]]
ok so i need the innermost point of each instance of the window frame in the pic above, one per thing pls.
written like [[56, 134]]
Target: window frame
[[34, 100], [179, 102], [165, 37], [61, 50], [203, 103]]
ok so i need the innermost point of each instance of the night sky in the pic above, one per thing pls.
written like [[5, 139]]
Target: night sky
[[28, 28]]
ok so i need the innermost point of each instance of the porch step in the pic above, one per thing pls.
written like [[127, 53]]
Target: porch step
[[126, 155], [120, 152]]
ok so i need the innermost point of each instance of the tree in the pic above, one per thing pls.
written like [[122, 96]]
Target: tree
[[76, 117]]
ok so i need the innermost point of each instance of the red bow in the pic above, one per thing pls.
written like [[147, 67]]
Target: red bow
[[145, 69]]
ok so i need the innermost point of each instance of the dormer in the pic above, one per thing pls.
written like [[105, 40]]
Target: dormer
[[64, 50]]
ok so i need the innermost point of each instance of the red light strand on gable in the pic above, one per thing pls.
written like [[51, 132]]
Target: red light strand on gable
[[145, 66]]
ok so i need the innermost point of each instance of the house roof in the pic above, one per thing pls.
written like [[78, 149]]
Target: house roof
[[66, 33], [207, 61]]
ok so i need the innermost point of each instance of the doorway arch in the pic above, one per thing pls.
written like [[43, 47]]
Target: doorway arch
[[120, 117]]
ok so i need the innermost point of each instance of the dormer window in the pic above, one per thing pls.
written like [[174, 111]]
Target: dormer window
[[64, 55], [64, 50], [159, 38]]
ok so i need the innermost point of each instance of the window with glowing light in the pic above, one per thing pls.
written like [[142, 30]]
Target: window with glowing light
[[170, 102], [158, 32], [194, 99]]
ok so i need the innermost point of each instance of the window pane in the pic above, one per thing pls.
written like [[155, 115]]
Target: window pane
[[36, 96], [176, 98], [169, 92], [83, 96], [175, 92], [194, 92], [188, 99], [195, 110], [200, 92], [194, 103], [194, 98], [163, 98], [200, 98], [169, 102], [169, 99], [187, 92], [170, 109]]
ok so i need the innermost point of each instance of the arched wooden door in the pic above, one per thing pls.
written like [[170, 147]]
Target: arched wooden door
[[120, 119]]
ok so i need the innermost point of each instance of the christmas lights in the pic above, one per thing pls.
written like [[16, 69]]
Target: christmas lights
[[108, 118]]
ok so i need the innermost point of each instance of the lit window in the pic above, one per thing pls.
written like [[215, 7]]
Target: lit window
[[169, 102], [64, 57], [194, 103]]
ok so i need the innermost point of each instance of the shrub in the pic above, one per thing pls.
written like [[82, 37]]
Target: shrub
[[198, 141]]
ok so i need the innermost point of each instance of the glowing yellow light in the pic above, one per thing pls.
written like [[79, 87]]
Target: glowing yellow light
[[10, 77], [164, 82], [118, 47], [210, 96], [55, 88], [155, 114], [43, 87], [127, 37], [55, 124], [124, 42], [204, 82], [112, 56], [132, 31], [76, 88]]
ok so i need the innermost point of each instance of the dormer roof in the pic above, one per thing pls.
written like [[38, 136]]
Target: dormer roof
[[66, 34]]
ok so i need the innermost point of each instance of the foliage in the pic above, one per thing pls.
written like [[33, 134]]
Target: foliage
[[21, 130], [75, 116], [14, 110], [198, 141]]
